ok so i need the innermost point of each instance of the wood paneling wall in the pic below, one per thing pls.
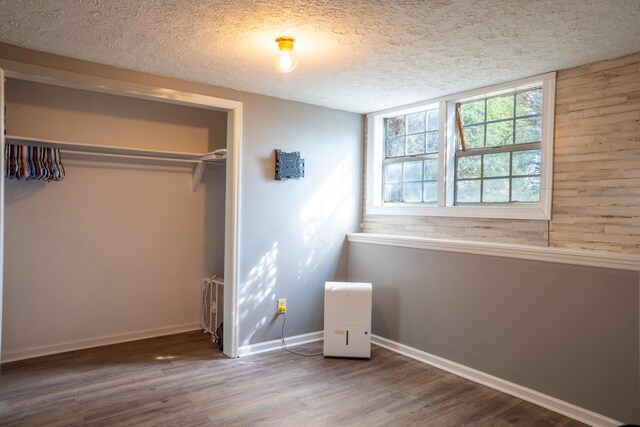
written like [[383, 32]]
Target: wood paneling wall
[[486, 230], [596, 198]]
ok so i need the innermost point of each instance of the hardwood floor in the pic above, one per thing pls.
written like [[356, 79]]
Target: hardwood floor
[[181, 380]]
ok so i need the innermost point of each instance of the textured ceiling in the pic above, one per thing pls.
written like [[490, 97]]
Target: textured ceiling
[[359, 56]]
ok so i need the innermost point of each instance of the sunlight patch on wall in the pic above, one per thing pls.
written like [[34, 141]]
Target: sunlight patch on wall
[[258, 288], [326, 210]]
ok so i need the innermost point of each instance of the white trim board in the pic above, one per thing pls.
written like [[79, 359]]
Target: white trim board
[[31, 352], [2, 142], [612, 260], [565, 408], [70, 79], [263, 347], [232, 228]]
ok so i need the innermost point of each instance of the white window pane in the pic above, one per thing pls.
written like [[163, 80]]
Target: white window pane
[[529, 103], [393, 172], [433, 119], [468, 191], [500, 133], [395, 147], [496, 164], [526, 162], [526, 189], [495, 190], [416, 123], [413, 171], [528, 130], [413, 192], [430, 192], [472, 112], [500, 108], [474, 136], [393, 192], [469, 167], [395, 126], [431, 169], [415, 144]]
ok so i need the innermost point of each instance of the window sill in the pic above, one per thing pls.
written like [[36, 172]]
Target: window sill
[[618, 261]]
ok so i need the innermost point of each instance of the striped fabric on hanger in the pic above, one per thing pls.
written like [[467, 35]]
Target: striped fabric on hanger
[[32, 163]]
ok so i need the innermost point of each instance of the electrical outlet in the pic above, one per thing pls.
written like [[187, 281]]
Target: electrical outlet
[[282, 305]]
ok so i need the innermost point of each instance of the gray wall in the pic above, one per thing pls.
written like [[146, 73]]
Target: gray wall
[[567, 331], [293, 231]]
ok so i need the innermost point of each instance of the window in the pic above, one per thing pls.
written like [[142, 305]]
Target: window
[[411, 157], [498, 159], [485, 153]]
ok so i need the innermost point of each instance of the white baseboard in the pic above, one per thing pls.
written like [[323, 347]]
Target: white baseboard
[[30, 352], [577, 413], [263, 347]]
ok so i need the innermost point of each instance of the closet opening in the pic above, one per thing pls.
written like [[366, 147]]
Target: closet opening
[[148, 208]]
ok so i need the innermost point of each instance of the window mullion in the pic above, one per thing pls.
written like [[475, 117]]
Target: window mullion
[[416, 157], [484, 138], [511, 177], [513, 136], [499, 149], [481, 176], [447, 168]]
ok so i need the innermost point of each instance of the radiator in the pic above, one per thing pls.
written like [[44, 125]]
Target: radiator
[[212, 305]]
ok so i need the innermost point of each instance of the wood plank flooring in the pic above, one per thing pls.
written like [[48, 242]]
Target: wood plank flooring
[[181, 380]]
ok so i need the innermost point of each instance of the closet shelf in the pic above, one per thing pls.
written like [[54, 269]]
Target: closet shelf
[[198, 159]]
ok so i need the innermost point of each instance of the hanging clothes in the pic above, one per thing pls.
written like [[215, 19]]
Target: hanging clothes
[[32, 163]]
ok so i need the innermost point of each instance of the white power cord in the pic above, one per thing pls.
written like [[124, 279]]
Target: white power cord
[[284, 345]]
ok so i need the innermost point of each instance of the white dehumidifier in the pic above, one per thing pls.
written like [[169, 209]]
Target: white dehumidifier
[[347, 319]]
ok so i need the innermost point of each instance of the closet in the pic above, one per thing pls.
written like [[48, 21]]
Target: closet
[[118, 249]]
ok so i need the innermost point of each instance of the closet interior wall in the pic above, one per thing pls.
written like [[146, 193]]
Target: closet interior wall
[[117, 250]]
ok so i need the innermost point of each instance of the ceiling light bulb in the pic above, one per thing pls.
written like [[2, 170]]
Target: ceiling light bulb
[[286, 61]]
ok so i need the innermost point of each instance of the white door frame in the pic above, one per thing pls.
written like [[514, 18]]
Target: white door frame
[[35, 73], [1, 199]]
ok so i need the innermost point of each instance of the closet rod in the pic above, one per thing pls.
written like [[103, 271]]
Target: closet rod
[[200, 160], [119, 152], [129, 156]]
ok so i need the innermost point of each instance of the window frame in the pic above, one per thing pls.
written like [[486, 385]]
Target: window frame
[[445, 206], [509, 148], [386, 161]]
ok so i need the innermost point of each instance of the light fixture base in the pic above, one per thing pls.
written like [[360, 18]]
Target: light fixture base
[[285, 42]]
